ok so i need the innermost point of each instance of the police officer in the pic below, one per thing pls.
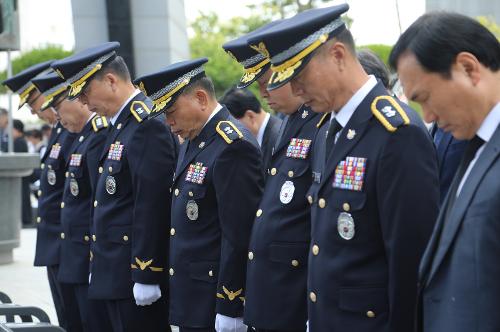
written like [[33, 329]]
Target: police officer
[[129, 246], [277, 257], [375, 188], [51, 182], [81, 171], [217, 186]]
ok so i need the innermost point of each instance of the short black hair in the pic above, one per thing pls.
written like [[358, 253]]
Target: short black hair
[[116, 66], [18, 125], [3, 111], [45, 127], [238, 101], [204, 83], [373, 65], [35, 133], [437, 38], [346, 38]]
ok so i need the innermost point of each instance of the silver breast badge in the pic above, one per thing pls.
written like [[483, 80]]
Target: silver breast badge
[[110, 185], [286, 193], [345, 226], [192, 210]]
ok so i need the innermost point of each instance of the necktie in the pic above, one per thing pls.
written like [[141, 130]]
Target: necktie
[[334, 128], [469, 154]]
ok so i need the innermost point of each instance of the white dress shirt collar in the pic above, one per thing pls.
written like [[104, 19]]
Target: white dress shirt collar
[[115, 117]]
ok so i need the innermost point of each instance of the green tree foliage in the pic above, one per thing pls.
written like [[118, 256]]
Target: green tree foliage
[[30, 58], [381, 50]]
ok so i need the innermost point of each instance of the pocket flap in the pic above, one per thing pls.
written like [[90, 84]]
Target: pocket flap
[[350, 201], [75, 171], [113, 167], [119, 234], [294, 168], [293, 254], [80, 234], [364, 299], [194, 192], [207, 271]]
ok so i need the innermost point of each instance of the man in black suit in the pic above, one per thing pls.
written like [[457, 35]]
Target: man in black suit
[[450, 64], [244, 106], [20, 145]]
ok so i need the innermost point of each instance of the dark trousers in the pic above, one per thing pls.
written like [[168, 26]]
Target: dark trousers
[[78, 308], [57, 289], [125, 316], [194, 329], [264, 330]]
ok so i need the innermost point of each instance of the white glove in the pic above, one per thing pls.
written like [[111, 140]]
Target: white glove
[[146, 294], [307, 326], [229, 324], [90, 277]]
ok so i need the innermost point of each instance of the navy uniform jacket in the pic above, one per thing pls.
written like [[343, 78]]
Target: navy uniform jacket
[[81, 174], [374, 205], [269, 139], [131, 210], [277, 266], [50, 196], [217, 186]]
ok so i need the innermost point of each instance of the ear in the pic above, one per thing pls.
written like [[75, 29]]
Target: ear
[[470, 65], [337, 52], [201, 97], [111, 79], [250, 115]]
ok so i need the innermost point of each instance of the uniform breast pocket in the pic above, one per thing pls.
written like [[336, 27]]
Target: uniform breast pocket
[[54, 172], [206, 271], [351, 224], [119, 234], [295, 175], [76, 185], [113, 181], [194, 197], [293, 254], [363, 308], [80, 235]]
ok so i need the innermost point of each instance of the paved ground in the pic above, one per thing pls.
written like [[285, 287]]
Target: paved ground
[[24, 283]]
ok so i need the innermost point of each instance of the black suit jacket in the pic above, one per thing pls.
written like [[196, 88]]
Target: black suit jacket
[[131, 210], [374, 204], [279, 245], [81, 174], [459, 273], [269, 139], [216, 189]]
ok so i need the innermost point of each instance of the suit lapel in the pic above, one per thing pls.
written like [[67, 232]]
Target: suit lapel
[[442, 148], [200, 142], [77, 142], [56, 131], [293, 126], [456, 216], [359, 123]]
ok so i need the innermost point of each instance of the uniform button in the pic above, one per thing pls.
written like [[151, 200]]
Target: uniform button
[[42, 166], [259, 213], [171, 271], [72, 174], [119, 126], [315, 250], [81, 138], [312, 296], [322, 203], [310, 199], [250, 255], [370, 314], [125, 238], [86, 238], [38, 219], [295, 263], [273, 171], [95, 203], [346, 207], [172, 231], [110, 169], [94, 237], [66, 174], [210, 273], [101, 169], [62, 236], [176, 192], [39, 193], [290, 174], [190, 194], [62, 205]]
